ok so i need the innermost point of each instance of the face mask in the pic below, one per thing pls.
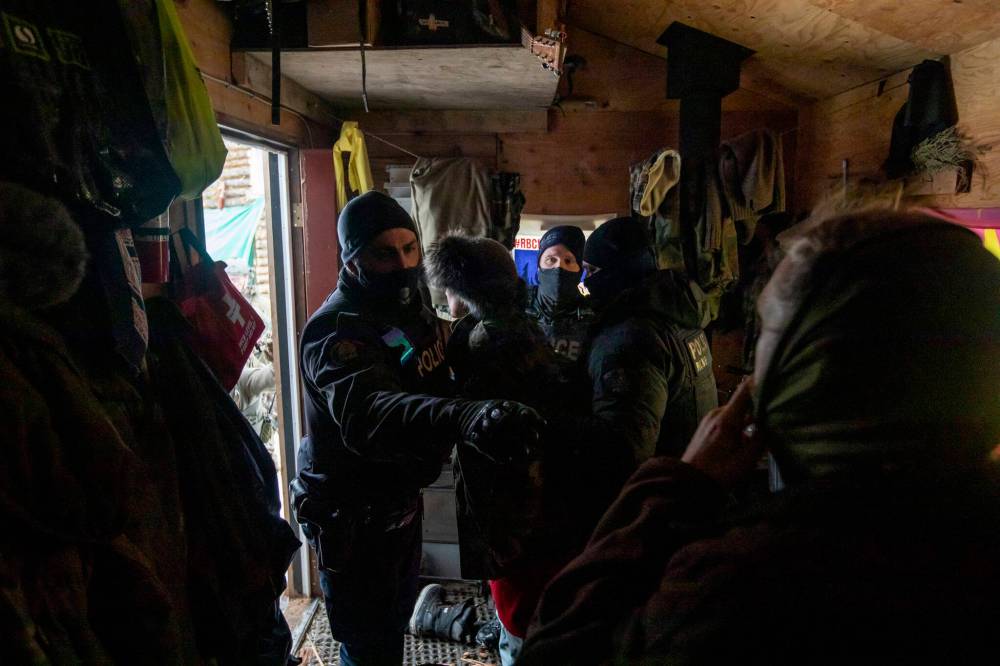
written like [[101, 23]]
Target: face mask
[[604, 285], [558, 286], [395, 287]]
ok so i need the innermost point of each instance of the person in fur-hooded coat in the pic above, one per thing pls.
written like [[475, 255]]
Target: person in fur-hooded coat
[[497, 351]]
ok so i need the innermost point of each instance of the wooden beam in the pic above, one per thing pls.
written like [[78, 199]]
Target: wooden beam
[[458, 121], [549, 15], [251, 73]]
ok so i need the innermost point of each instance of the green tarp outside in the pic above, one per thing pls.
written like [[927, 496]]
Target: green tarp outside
[[230, 232]]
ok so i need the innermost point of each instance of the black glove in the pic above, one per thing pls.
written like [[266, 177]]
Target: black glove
[[502, 430]]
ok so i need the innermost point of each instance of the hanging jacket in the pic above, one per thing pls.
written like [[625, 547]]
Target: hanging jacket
[[239, 547], [359, 173], [78, 123]]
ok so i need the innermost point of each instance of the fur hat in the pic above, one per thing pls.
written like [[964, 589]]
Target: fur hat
[[42, 251], [480, 271]]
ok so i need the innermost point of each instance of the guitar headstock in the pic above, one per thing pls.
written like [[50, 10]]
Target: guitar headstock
[[549, 47]]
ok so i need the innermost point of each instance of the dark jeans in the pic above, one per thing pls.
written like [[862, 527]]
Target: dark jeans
[[369, 602]]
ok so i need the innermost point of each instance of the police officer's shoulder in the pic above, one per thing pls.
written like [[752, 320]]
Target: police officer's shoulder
[[337, 337], [633, 335]]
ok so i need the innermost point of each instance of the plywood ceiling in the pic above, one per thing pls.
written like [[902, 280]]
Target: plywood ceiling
[[480, 77], [806, 49]]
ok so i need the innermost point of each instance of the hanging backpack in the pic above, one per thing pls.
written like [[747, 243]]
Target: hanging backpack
[[77, 122]]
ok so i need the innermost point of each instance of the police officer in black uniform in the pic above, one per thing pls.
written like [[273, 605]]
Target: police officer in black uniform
[[648, 358], [372, 363], [556, 303]]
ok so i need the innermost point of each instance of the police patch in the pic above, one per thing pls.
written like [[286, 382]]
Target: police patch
[[615, 381], [699, 350]]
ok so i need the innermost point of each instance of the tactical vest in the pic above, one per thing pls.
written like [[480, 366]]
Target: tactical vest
[[566, 332], [691, 385]]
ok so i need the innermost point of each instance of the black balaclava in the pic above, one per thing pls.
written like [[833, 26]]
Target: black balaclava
[[361, 220], [557, 287], [890, 362], [620, 248]]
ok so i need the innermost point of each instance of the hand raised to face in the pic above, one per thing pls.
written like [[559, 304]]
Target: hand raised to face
[[726, 446]]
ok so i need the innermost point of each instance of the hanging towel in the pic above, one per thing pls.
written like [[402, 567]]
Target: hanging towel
[[359, 172], [752, 172], [663, 173]]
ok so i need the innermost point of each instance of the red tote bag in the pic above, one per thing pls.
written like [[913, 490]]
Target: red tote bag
[[226, 325]]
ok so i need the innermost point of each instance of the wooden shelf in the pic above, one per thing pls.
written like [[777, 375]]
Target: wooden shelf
[[501, 76]]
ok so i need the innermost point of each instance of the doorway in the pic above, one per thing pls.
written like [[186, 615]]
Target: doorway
[[247, 225]]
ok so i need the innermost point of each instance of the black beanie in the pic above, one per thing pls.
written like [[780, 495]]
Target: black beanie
[[616, 242], [570, 236], [365, 217]]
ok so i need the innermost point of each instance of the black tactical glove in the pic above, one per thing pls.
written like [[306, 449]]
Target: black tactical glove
[[502, 430]]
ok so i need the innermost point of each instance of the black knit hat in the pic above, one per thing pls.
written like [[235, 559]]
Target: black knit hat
[[617, 241], [570, 236], [479, 270], [365, 217]]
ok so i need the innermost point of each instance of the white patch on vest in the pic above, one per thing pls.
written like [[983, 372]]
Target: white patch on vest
[[568, 348], [698, 348]]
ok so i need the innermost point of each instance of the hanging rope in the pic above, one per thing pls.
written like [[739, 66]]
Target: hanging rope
[[363, 21]]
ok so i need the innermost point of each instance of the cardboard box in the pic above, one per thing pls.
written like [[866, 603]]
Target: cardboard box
[[336, 22], [942, 182]]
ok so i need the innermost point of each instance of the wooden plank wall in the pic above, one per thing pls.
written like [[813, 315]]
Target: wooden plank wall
[[857, 126], [616, 116], [209, 31]]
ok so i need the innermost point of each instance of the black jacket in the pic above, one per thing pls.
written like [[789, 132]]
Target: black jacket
[[375, 433], [565, 328], [510, 516], [650, 370], [651, 366]]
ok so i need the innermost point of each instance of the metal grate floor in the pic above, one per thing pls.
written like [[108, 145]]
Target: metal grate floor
[[319, 648]]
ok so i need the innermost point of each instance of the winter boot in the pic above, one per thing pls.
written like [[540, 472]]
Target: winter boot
[[488, 634], [432, 616]]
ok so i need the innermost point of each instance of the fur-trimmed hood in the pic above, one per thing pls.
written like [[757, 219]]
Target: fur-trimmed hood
[[42, 250], [480, 271]]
